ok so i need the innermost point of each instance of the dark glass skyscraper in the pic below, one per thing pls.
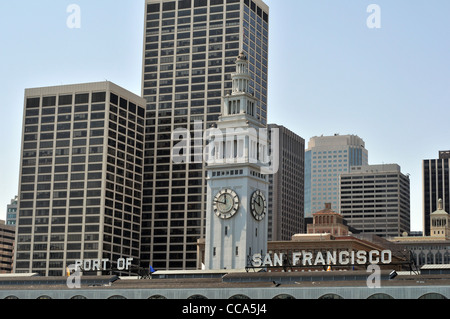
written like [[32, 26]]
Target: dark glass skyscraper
[[286, 188], [436, 185], [190, 48]]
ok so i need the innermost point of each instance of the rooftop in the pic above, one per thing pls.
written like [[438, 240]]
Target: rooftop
[[232, 280]]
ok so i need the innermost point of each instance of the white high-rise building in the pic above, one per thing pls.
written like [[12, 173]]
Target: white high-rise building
[[326, 158]]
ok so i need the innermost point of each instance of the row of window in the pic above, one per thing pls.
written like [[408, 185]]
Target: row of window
[[65, 106], [185, 6], [82, 98], [153, 11], [216, 41]]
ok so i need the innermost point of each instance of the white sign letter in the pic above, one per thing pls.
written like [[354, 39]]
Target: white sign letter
[[373, 260], [121, 264], [256, 262], [386, 256], [128, 263], [296, 258]]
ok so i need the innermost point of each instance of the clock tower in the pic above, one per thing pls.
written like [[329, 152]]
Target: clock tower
[[237, 189]]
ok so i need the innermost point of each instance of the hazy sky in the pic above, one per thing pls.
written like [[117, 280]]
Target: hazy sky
[[328, 71]]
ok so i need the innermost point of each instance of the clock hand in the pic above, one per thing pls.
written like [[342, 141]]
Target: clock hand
[[220, 202]]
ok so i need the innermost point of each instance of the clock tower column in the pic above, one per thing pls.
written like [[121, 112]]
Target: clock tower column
[[237, 190]]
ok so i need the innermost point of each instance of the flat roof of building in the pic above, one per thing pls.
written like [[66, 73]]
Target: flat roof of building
[[231, 280]]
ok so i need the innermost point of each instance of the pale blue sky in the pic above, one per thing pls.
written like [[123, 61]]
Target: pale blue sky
[[328, 72]]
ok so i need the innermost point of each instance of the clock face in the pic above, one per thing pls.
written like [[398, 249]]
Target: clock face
[[258, 205], [226, 204]]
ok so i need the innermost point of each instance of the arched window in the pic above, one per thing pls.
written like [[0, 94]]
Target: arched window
[[44, 297], [197, 297], [331, 296], [438, 258], [447, 258], [421, 259], [414, 256], [117, 297], [157, 297], [430, 259], [283, 296], [239, 297], [78, 297], [12, 297], [432, 295], [380, 296]]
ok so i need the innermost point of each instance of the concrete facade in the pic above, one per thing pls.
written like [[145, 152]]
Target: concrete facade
[[7, 235], [375, 199], [81, 175]]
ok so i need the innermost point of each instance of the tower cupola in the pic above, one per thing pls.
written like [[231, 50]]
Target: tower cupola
[[241, 101]]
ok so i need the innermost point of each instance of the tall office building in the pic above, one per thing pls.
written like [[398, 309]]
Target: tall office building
[[436, 185], [11, 212], [375, 199], [81, 175], [190, 49], [326, 158], [286, 187], [7, 234]]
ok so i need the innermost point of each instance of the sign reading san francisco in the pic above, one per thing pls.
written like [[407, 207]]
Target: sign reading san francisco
[[327, 258]]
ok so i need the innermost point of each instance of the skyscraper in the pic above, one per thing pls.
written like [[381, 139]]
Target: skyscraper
[[190, 48], [81, 176], [326, 158], [436, 186], [286, 188], [375, 199]]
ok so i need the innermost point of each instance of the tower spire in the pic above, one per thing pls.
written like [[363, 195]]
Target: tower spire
[[241, 100], [241, 77]]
